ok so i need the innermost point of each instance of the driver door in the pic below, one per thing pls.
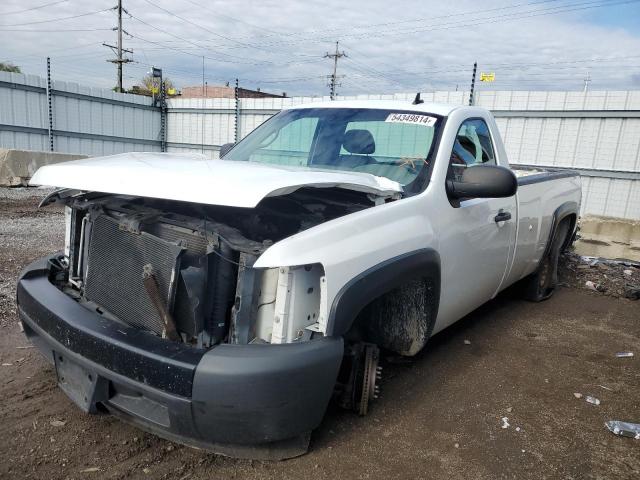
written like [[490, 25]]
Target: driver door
[[478, 236]]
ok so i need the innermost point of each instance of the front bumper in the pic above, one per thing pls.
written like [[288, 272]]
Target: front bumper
[[253, 401]]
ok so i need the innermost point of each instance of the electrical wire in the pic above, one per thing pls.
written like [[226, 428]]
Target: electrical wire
[[580, 6], [56, 19], [34, 8], [199, 46], [66, 30]]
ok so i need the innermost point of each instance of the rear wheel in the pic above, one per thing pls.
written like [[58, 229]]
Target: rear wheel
[[541, 284]]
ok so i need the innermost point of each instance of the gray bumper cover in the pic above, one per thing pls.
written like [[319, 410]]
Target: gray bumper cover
[[254, 401]]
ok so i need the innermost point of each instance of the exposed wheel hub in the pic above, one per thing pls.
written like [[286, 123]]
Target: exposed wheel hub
[[358, 384]]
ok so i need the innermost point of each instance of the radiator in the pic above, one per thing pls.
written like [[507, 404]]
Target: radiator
[[113, 279]]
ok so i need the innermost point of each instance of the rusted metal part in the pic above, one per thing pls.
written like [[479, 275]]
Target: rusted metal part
[[151, 285], [371, 374]]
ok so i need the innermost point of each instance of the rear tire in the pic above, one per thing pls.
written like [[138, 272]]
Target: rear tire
[[541, 284]]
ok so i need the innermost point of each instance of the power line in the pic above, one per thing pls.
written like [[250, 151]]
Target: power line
[[224, 37], [185, 52], [55, 19], [460, 23], [34, 8], [217, 12], [197, 45], [339, 30], [65, 30], [497, 19]]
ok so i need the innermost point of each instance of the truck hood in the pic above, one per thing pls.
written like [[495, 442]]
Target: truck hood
[[195, 178]]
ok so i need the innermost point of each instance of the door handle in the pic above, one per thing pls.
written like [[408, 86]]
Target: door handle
[[502, 216]]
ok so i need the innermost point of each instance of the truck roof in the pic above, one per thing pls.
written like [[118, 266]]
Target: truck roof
[[442, 109]]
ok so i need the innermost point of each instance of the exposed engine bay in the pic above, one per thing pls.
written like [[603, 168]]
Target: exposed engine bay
[[183, 271]]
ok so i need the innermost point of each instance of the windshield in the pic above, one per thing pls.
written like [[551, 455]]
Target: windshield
[[389, 143]]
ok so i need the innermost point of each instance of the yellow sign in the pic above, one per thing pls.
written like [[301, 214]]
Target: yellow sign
[[155, 89], [171, 91], [487, 77]]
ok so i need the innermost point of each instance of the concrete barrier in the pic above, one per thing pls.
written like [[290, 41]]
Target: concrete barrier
[[608, 237], [17, 166]]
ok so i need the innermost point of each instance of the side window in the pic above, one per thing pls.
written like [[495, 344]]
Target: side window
[[472, 146], [290, 145]]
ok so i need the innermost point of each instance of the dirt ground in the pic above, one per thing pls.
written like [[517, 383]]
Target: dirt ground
[[439, 415]]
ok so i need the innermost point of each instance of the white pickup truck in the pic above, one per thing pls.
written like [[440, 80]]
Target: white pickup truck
[[222, 303]]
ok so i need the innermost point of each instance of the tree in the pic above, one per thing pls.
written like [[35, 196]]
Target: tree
[[150, 85], [9, 67]]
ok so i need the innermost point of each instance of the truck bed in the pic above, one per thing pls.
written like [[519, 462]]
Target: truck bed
[[528, 175]]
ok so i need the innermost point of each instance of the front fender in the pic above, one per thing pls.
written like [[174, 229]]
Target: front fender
[[356, 245]]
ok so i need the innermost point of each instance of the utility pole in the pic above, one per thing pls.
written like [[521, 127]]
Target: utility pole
[[334, 77], [118, 49]]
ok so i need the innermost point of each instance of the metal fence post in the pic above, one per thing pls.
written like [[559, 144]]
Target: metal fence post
[[163, 117], [473, 83], [237, 113], [50, 104]]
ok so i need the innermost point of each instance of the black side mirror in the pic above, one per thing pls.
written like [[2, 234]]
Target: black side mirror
[[224, 149], [484, 181]]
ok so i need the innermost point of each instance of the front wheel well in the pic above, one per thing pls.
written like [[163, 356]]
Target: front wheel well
[[400, 320], [379, 280]]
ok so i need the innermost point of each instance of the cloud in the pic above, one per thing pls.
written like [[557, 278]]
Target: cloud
[[279, 45]]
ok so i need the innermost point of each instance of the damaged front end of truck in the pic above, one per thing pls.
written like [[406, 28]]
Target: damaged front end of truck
[[154, 312]]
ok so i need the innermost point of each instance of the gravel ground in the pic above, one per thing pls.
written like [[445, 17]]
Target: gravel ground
[[439, 416]]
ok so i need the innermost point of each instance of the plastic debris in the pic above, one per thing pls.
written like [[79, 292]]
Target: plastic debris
[[592, 400], [509, 409], [605, 388], [456, 445], [467, 342], [505, 422], [628, 272], [577, 395], [90, 469], [632, 292], [624, 354], [517, 429], [7, 364], [624, 429], [596, 287], [57, 423]]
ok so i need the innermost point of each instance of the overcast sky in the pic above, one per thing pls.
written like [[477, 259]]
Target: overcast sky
[[391, 46]]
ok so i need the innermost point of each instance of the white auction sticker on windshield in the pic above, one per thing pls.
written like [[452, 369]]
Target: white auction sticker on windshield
[[412, 118]]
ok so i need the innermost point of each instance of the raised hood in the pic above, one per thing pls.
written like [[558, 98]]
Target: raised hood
[[194, 178]]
